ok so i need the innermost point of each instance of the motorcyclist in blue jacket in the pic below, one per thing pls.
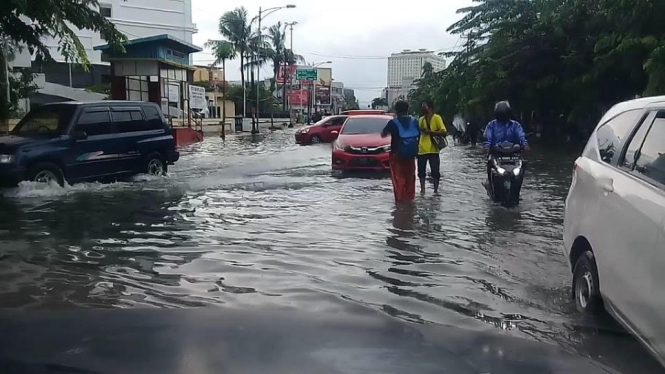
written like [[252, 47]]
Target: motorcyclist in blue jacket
[[502, 129]]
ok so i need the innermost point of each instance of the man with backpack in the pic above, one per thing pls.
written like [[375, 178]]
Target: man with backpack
[[405, 134]]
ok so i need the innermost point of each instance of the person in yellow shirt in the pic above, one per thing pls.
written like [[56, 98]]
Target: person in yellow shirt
[[429, 124]]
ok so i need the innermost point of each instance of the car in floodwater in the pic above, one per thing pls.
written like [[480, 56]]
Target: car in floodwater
[[324, 131], [360, 145], [614, 222], [87, 141]]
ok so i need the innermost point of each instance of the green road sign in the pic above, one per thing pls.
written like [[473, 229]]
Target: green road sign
[[306, 75]]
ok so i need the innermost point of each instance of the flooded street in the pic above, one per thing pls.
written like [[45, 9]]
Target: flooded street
[[260, 221]]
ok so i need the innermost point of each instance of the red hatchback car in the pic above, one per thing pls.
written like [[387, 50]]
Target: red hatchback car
[[324, 131], [360, 145]]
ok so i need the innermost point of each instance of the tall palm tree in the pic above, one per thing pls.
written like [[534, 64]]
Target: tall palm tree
[[279, 54], [236, 28], [222, 50]]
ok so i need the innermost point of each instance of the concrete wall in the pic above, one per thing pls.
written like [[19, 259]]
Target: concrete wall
[[138, 19]]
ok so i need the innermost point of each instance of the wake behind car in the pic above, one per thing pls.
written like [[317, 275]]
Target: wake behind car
[[360, 145], [614, 222], [75, 142]]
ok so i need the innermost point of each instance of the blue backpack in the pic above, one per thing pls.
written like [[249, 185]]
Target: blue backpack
[[408, 138]]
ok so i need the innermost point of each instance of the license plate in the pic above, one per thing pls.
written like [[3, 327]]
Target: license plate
[[363, 160], [507, 185]]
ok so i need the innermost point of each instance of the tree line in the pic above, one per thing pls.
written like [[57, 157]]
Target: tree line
[[561, 63]]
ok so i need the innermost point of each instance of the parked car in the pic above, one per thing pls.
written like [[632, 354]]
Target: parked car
[[614, 223], [76, 142], [360, 145], [357, 112], [324, 131]]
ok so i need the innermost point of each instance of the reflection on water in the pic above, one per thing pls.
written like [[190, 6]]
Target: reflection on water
[[259, 221]]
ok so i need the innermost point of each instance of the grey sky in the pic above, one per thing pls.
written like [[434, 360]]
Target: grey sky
[[344, 32]]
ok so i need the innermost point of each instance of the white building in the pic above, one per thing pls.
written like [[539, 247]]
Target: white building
[[137, 19], [408, 65]]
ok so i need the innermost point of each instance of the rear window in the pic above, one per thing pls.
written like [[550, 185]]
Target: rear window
[[45, 120], [364, 125]]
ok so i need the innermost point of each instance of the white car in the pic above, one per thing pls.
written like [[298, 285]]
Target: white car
[[614, 225]]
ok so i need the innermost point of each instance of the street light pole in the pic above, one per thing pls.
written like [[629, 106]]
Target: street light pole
[[258, 51], [290, 104]]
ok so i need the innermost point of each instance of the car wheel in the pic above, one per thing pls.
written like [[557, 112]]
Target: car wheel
[[316, 139], [155, 165], [47, 173], [586, 285]]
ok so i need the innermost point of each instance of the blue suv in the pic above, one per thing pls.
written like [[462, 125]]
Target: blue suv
[[75, 142]]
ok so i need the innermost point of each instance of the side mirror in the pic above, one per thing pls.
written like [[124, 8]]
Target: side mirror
[[79, 135]]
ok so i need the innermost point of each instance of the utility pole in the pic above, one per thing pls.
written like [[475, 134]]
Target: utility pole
[[5, 57], [258, 72], [290, 104]]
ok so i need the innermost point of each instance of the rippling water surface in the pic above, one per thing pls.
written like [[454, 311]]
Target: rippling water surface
[[258, 220]]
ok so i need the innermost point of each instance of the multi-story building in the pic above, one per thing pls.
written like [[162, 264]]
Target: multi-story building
[[409, 65], [136, 19]]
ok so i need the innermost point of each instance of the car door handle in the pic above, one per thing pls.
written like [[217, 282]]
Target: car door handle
[[607, 185]]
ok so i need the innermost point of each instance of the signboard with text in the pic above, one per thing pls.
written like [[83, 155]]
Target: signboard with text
[[305, 74], [197, 97]]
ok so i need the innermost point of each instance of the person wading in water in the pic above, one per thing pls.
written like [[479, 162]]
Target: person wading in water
[[404, 133], [430, 124]]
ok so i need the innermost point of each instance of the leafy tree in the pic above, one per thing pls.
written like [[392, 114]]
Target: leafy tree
[[28, 22], [379, 101], [561, 63], [236, 28], [222, 50]]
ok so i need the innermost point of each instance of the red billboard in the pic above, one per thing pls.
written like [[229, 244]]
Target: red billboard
[[298, 97], [285, 73]]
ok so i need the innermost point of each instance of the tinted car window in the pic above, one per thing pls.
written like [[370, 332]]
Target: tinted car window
[[153, 117], [651, 159], [338, 121], [612, 135], [364, 125], [45, 120], [129, 120], [95, 123]]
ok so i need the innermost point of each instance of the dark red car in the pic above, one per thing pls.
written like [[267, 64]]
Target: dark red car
[[360, 145], [324, 131]]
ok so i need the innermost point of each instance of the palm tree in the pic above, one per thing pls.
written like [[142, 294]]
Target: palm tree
[[222, 50], [236, 28], [279, 54]]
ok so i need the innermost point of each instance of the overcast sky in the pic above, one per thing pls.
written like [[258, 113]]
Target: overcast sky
[[356, 35]]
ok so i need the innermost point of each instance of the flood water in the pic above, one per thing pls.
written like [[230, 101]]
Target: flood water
[[260, 221]]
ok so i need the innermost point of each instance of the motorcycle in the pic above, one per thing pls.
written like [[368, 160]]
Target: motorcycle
[[506, 174]]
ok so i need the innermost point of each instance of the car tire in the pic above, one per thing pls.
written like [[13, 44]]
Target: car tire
[[586, 285], [316, 139], [46, 173], [155, 164]]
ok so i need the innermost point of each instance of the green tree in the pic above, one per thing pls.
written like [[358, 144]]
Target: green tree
[[28, 22], [21, 86], [236, 28], [379, 101], [223, 51], [560, 62]]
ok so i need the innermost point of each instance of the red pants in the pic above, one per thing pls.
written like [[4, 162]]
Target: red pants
[[403, 174]]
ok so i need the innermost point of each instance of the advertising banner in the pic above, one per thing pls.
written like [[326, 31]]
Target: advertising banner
[[322, 95], [298, 97], [324, 76], [285, 73]]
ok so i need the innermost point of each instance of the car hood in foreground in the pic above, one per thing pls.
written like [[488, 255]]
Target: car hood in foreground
[[222, 340]]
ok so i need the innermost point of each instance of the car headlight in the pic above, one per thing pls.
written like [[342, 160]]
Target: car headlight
[[517, 171], [304, 131], [386, 148], [6, 159], [501, 171]]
